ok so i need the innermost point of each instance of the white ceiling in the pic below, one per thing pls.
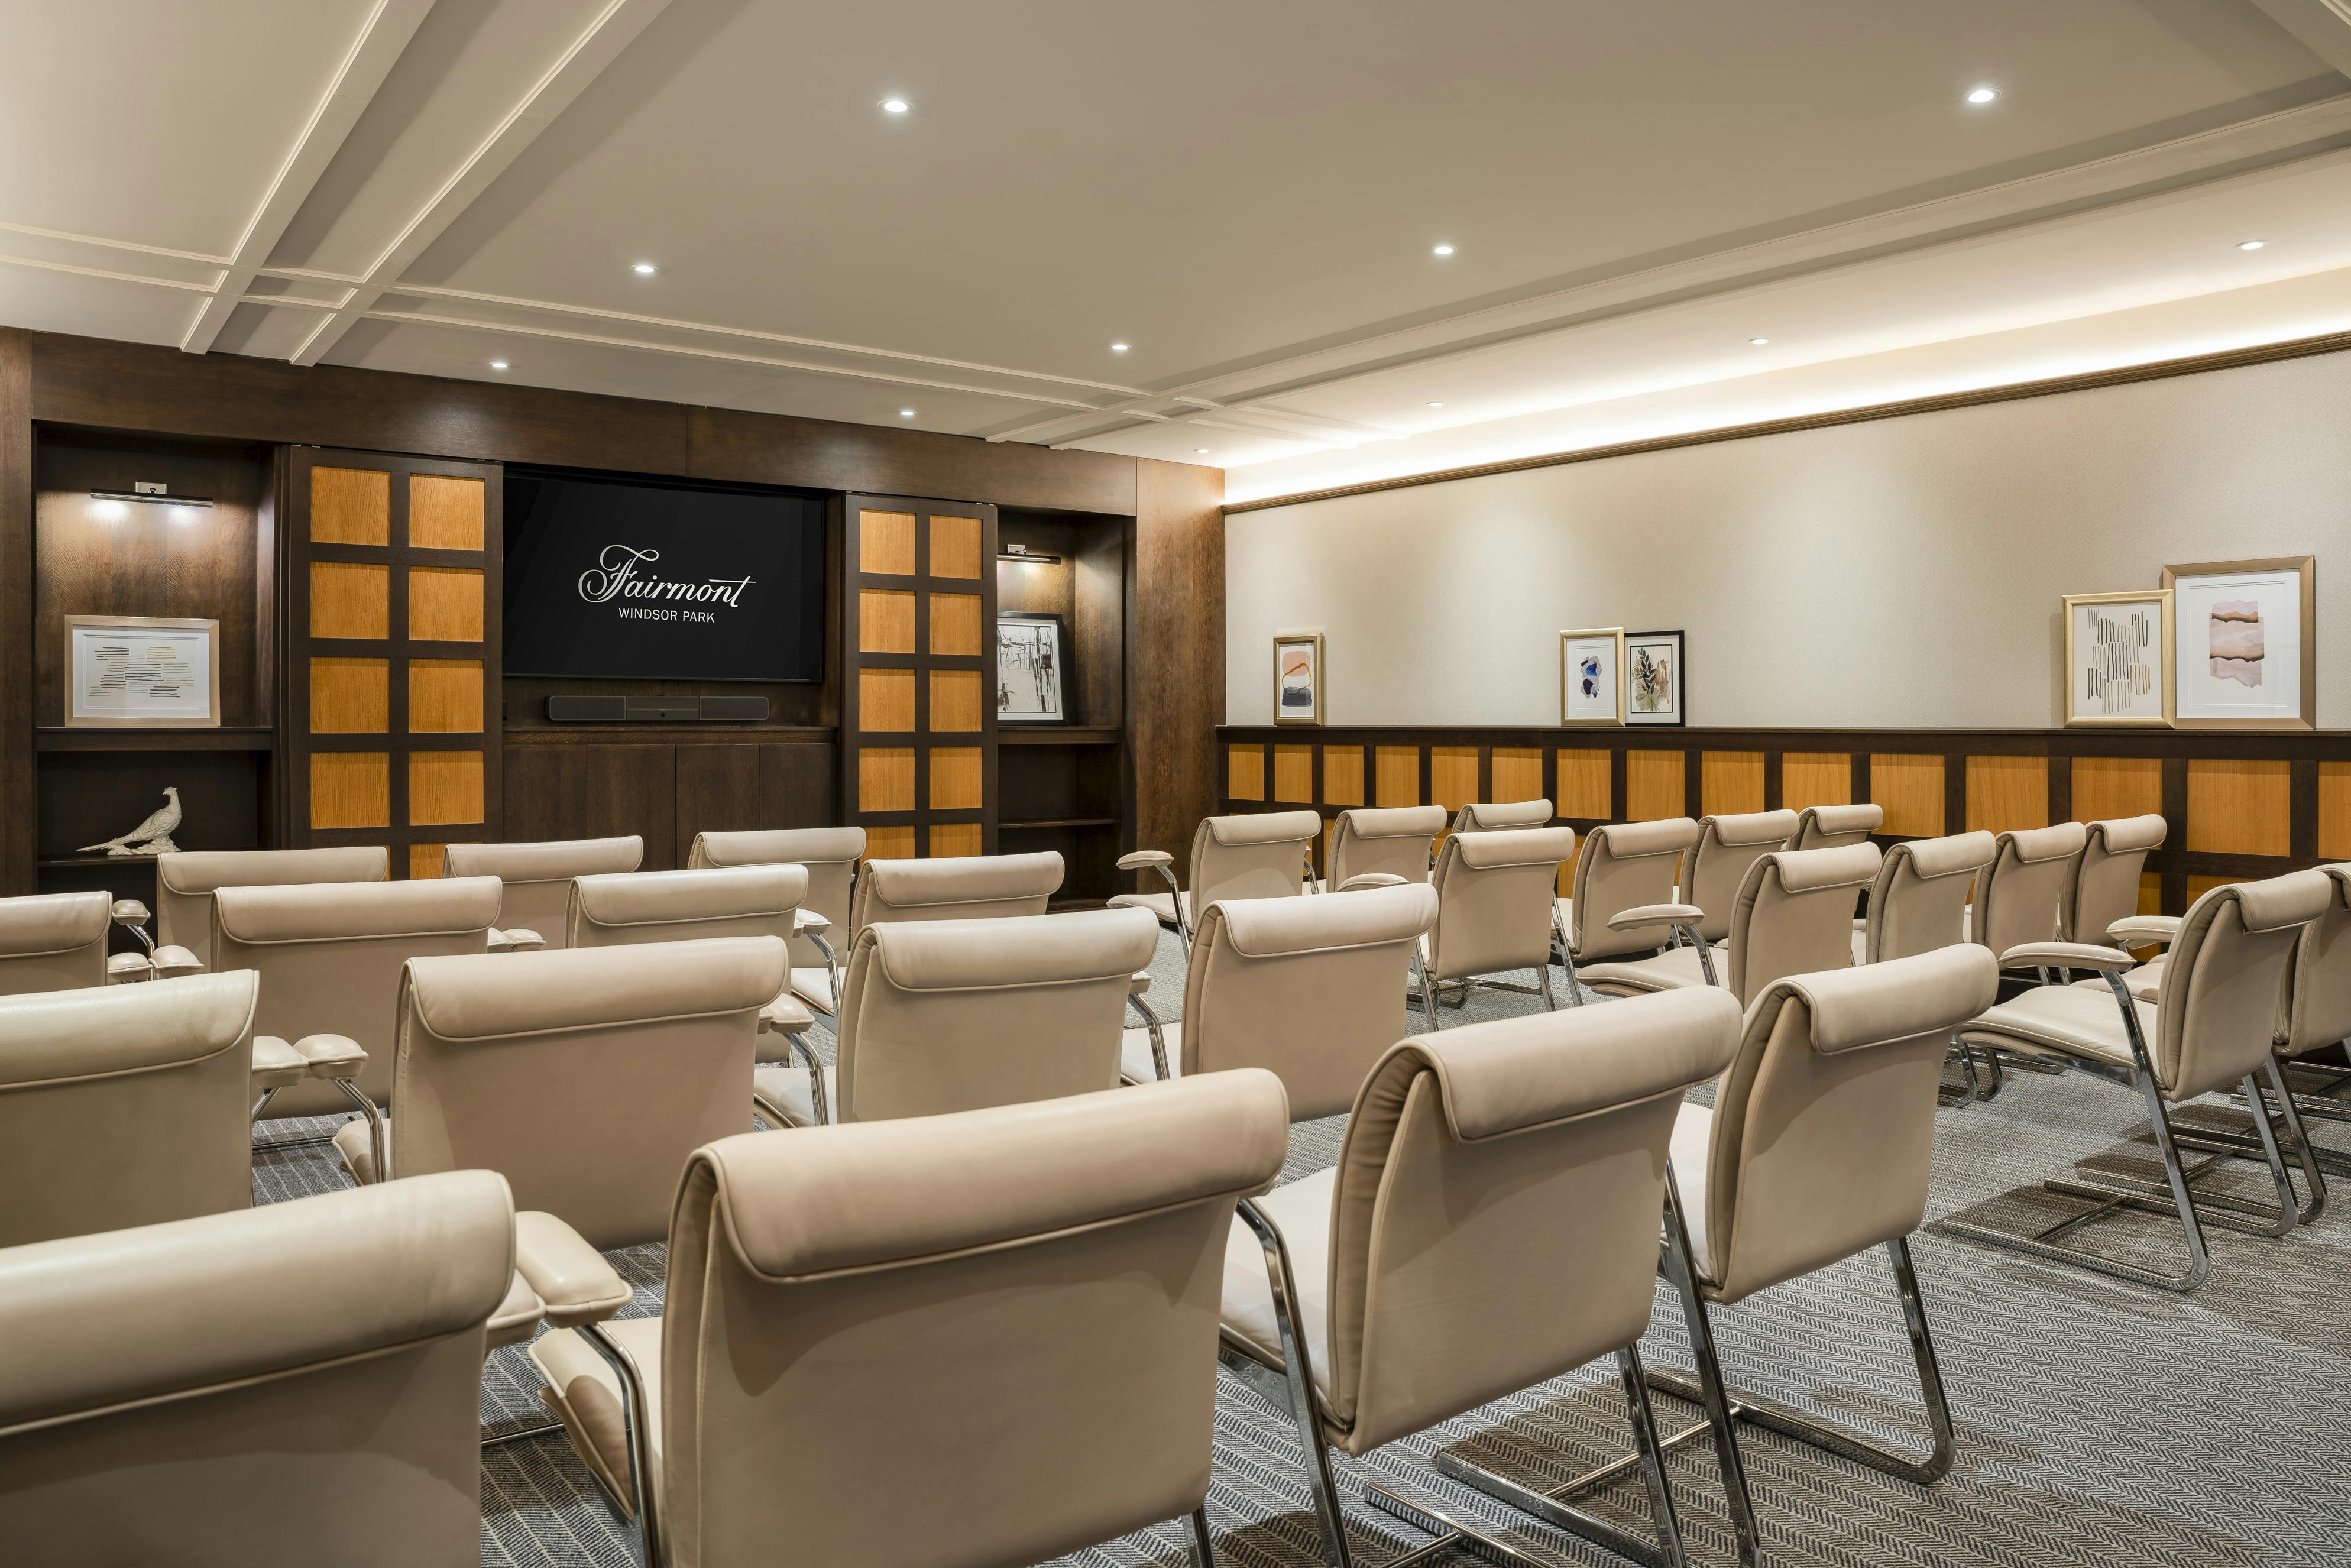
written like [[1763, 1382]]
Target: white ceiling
[[1247, 194]]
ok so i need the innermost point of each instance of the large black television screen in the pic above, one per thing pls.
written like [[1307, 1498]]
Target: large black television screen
[[651, 580]]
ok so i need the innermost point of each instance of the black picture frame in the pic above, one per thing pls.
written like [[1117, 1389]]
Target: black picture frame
[[1679, 670], [1059, 699]]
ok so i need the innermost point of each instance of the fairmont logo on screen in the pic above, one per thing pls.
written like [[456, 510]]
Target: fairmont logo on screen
[[626, 572]]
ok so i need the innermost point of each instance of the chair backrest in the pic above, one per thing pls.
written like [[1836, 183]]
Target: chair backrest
[[1793, 914], [1834, 826], [535, 880], [53, 941], [2318, 998], [287, 1385], [2020, 896], [584, 1078], [329, 956], [1260, 855], [123, 1105], [1494, 1221], [634, 907], [1624, 865], [185, 881], [1392, 841], [1311, 989], [830, 855], [2216, 1013], [1494, 898], [1491, 816], [961, 887], [1019, 1305], [1726, 846], [1824, 1125], [2105, 885], [956, 1015], [1919, 901]]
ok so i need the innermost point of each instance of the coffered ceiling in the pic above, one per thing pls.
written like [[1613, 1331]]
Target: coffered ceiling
[[1249, 197]]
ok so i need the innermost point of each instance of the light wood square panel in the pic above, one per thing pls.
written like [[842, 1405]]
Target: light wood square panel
[[894, 843], [2239, 806], [2105, 788], [1731, 782], [1396, 775], [954, 624], [350, 506], [1518, 774], [1653, 785], [886, 543], [445, 511], [1244, 771], [350, 696], [955, 778], [1293, 774], [885, 701], [2335, 810], [1910, 788], [885, 620], [351, 599], [955, 546], [2008, 793], [1342, 775], [1816, 778], [429, 861], [443, 786], [1452, 776], [1583, 784], [950, 840], [444, 696], [885, 780], [350, 790], [444, 604], [955, 702]]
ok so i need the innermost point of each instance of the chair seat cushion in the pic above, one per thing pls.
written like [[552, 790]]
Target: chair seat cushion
[[1134, 1063], [1673, 969], [1301, 1212], [1692, 1145], [814, 986], [2061, 1020], [782, 1093], [586, 1394], [358, 1154], [1161, 905], [2146, 982]]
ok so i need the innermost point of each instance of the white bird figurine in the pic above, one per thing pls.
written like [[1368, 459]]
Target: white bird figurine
[[151, 837]]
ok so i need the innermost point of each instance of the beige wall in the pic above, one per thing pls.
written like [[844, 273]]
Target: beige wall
[[1900, 573]]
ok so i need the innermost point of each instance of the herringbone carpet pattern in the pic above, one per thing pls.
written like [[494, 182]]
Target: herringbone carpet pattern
[[2099, 1423]]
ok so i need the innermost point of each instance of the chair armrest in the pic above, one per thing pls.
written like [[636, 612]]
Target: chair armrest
[[2139, 930], [785, 1015], [806, 920], [173, 962], [129, 911], [276, 1064], [2067, 955], [1371, 879], [1138, 983], [521, 939], [332, 1056], [516, 1318], [1140, 858], [128, 968], [1656, 914], [569, 1276]]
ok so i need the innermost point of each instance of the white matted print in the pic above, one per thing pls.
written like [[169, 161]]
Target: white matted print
[[1298, 677], [1657, 684], [2118, 659], [2245, 642], [140, 672], [1592, 675], [1031, 668]]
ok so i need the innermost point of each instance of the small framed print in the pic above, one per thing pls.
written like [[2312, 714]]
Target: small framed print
[[2118, 660], [1032, 668], [134, 672], [1656, 681], [2245, 652], [1298, 677], [1591, 676]]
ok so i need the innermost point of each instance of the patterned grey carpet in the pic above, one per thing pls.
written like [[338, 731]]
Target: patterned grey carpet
[[2099, 1422]]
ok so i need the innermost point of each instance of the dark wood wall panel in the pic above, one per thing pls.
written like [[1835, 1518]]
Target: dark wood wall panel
[[16, 806], [595, 791], [1176, 622], [666, 785]]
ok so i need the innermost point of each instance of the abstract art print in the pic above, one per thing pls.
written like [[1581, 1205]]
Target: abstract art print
[[133, 672], [1657, 680], [1032, 669], [2118, 659], [1591, 676], [2247, 643], [1298, 677]]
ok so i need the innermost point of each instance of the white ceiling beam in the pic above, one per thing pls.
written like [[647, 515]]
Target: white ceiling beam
[[613, 30], [383, 38], [2323, 26]]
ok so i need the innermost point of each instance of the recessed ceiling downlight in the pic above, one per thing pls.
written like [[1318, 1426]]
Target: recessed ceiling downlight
[[1434, 402], [1201, 449], [905, 413], [1758, 342], [644, 269], [2251, 243], [1983, 95], [1118, 348], [893, 106], [498, 364], [1441, 250]]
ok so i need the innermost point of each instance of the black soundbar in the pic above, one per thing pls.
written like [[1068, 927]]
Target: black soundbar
[[655, 710]]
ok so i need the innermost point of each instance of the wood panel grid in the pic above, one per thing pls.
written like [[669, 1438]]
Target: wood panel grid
[[351, 506], [1584, 791], [1342, 775], [1245, 772], [1731, 782], [351, 601], [955, 778], [949, 840], [1517, 774], [430, 861], [955, 546], [350, 790], [1909, 787], [2335, 810], [1653, 785], [1452, 776], [890, 843], [1816, 778], [444, 604], [444, 696], [2239, 807], [444, 787], [2104, 788], [885, 620], [886, 543], [955, 625], [1293, 774], [446, 511], [1395, 771], [885, 701], [350, 696], [955, 702], [2007, 793], [885, 779]]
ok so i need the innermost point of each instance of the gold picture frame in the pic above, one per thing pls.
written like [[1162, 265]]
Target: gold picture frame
[[1578, 708], [2184, 581], [1308, 644], [193, 703], [2090, 676]]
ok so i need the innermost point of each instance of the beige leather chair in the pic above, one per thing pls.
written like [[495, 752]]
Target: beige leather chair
[[1834, 826], [2212, 1027], [2020, 897], [1501, 816], [1919, 902], [2103, 894], [830, 855], [185, 881], [2318, 1010], [636, 907], [981, 1338], [963, 887], [535, 881], [1624, 865], [286, 1386], [1262, 854], [1793, 915], [1391, 841], [1310, 988], [1491, 1223], [57, 941], [1495, 889], [1817, 1147], [956, 1014], [1726, 847]]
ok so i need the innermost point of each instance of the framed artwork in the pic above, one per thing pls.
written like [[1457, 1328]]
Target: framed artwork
[[131, 672], [1298, 677], [2118, 659], [1032, 668], [1591, 676], [1656, 681], [2246, 652]]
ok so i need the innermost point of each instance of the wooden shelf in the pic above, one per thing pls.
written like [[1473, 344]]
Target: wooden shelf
[[148, 861], [1059, 822], [1096, 734], [53, 737]]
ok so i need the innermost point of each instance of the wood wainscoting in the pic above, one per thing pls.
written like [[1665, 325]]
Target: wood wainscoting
[[2239, 806]]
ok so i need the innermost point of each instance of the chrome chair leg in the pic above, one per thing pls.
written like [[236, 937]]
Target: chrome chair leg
[[539, 1429], [375, 1128], [1204, 1545], [1705, 951], [636, 1420], [1543, 974], [1305, 1410], [832, 970], [1158, 1040], [1673, 1262], [2271, 1219], [1972, 1089], [814, 1065], [1427, 997]]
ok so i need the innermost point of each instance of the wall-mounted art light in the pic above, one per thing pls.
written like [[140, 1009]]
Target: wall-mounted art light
[[1022, 552], [151, 494]]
